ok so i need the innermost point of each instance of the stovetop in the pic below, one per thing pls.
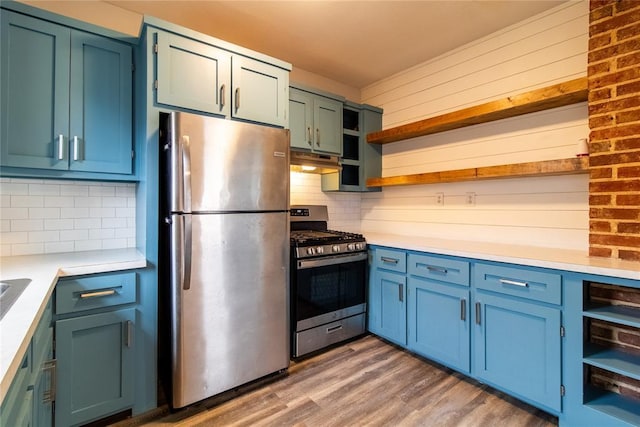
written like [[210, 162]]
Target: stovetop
[[314, 237]]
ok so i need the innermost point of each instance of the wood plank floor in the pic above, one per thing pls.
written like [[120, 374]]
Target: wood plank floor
[[367, 382]]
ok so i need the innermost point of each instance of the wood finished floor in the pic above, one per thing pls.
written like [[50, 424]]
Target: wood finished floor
[[367, 382]]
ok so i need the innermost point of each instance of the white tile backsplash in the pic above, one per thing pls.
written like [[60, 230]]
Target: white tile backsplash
[[46, 216]]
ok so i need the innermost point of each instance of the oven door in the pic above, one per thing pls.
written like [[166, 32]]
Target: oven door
[[329, 288]]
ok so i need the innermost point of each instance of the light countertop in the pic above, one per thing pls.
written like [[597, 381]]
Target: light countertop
[[560, 259], [19, 323]]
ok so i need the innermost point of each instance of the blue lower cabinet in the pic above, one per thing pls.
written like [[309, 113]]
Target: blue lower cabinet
[[387, 306], [438, 322], [95, 366], [517, 348]]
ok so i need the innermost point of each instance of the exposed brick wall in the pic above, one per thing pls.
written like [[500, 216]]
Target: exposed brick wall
[[614, 120]]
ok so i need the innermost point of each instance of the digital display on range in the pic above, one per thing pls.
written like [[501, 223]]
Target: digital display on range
[[299, 212]]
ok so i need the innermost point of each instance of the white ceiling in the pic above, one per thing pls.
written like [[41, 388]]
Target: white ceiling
[[353, 42]]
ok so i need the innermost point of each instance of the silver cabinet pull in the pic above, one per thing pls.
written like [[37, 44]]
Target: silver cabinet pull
[[400, 292], [310, 137], [76, 148], [389, 260], [237, 99], [318, 137], [463, 310], [49, 395], [514, 283], [96, 294], [129, 331], [334, 328], [435, 269], [60, 147], [478, 314], [222, 95]]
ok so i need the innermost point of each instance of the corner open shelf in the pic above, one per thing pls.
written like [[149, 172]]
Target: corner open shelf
[[558, 95], [575, 165]]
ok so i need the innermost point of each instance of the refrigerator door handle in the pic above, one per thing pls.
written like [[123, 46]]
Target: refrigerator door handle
[[186, 171], [186, 269]]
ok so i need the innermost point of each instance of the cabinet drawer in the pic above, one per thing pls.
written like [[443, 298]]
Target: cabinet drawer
[[534, 285], [390, 260], [89, 292], [441, 269]]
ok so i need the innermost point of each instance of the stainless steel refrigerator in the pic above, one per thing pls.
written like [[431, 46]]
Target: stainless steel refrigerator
[[226, 197]]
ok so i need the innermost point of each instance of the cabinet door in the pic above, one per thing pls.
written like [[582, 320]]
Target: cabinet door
[[260, 91], [101, 105], [438, 322], [517, 348], [301, 119], [95, 366], [192, 75], [327, 120], [35, 93], [387, 309]]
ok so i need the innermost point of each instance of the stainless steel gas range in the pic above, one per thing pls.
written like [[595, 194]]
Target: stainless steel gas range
[[328, 281]]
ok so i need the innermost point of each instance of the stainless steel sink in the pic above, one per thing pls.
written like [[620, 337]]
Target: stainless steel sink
[[10, 290]]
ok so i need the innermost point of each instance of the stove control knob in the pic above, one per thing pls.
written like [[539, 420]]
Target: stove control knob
[[351, 247], [335, 248], [360, 246], [319, 250], [310, 251]]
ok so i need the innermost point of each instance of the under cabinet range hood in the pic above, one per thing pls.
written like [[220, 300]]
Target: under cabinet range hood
[[314, 163]]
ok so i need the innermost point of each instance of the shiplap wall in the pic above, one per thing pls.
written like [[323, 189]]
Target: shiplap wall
[[543, 211]]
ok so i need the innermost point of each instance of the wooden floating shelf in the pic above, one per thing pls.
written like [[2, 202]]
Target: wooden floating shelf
[[575, 165], [558, 95]]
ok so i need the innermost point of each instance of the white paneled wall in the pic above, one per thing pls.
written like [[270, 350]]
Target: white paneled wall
[[544, 211], [344, 208], [47, 216]]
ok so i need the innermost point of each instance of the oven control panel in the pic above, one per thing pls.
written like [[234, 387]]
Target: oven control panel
[[299, 212], [333, 249]]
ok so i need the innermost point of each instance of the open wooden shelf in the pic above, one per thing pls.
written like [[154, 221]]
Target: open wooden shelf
[[548, 97], [569, 166]]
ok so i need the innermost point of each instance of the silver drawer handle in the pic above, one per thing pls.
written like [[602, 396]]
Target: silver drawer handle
[[463, 310], [60, 147], [49, 395], [334, 328], [97, 294], [389, 260], [437, 269], [76, 149], [514, 283]]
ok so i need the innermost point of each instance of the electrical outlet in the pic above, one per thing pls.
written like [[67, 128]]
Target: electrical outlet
[[470, 198], [439, 198]]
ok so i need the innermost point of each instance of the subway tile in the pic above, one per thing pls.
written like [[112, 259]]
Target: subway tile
[[126, 191], [114, 202], [115, 222], [14, 188], [27, 181], [44, 190], [5, 201], [27, 249], [57, 247], [114, 243], [87, 223], [74, 190], [87, 245], [5, 225], [44, 236], [125, 212], [78, 212], [58, 224], [27, 201], [102, 233], [101, 191], [87, 202], [27, 225], [58, 201], [102, 212], [15, 237], [15, 213], [82, 234], [42, 213], [5, 250], [124, 232]]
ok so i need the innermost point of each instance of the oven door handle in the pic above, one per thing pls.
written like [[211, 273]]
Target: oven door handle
[[333, 260]]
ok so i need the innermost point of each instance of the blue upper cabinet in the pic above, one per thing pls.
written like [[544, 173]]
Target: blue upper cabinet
[[316, 122], [198, 76], [192, 75], [67, 98]]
